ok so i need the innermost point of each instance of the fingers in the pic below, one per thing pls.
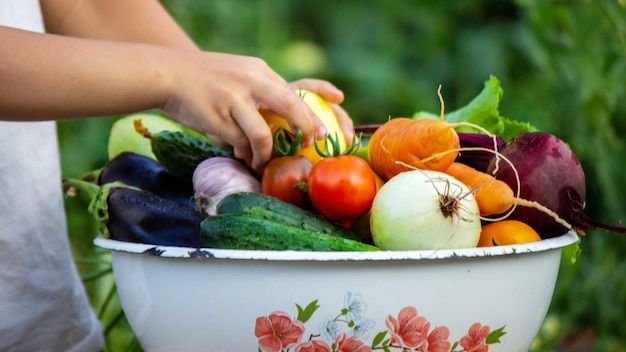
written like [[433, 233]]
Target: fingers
[[334, 96], [228, 111], [255, 143], [288, 104], [345, 122], [245, 130], [325, 89], [216, 139]]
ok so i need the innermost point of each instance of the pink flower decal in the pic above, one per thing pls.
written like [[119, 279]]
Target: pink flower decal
[[312, 346], [476, 338], [438, 340], [345, 330], [344, 343], [277, 331], [408, 329], [412, 331]]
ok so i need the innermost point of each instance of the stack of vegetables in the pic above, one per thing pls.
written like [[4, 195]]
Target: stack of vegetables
[[454, 180]]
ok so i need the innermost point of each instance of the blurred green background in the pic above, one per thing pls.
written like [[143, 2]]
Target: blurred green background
[[562, 65]]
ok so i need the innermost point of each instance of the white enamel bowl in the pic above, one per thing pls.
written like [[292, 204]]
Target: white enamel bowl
[[183, 299]]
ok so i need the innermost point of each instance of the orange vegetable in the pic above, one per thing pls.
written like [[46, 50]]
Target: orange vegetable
[[493, 196], [426, 144], [507, 232]]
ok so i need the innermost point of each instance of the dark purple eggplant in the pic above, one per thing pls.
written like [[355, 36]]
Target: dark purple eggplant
[[479, 159], [133, 215], [148, 174]]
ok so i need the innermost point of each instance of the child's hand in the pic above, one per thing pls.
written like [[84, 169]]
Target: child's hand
[[219, 94]]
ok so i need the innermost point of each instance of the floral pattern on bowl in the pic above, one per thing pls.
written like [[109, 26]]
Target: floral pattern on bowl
[[343, 332]]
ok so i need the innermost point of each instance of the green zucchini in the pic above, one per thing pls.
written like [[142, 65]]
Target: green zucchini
[[274, 209], [250, 232], [180, 153]]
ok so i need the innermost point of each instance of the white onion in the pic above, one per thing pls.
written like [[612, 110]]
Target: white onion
[[217, 177], [421, 209]]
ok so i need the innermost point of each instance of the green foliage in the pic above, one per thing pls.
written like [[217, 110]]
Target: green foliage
[[483, 111], [562, 65]]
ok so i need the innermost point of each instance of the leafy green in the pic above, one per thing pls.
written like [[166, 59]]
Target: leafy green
[[483, 111]]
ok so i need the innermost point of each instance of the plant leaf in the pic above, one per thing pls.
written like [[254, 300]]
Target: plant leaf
[[572, 252], [305, 314], [456, 343], [483, 111], [378, 338], [494, 336]]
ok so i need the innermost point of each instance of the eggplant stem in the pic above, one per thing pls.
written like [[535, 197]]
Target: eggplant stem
[[96, 196], [86, 190]]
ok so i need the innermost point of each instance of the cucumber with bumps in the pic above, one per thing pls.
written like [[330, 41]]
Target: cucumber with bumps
[[250, 232], [180, 153], [277, 210]]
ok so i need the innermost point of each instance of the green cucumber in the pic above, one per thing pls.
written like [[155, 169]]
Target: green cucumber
[[274, 209], [180, 152], [250, 232]]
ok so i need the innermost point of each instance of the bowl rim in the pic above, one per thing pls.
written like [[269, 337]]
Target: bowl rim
[[291, 255]]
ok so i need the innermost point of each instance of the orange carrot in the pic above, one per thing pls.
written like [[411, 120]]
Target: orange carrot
[[402, 143], [493, 196]]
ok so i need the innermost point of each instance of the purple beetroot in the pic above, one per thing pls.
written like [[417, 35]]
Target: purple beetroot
[[551, 175], [477, 149]]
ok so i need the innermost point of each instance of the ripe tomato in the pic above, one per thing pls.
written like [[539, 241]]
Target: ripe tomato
[[342, 188], [286, 178]]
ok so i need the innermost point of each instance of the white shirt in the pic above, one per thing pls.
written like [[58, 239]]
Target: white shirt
[[43, 305]]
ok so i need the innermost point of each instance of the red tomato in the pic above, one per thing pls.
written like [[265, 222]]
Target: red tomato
[[342, 188], [285, 178]]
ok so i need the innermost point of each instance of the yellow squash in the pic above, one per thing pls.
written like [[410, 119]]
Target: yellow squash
[[325, 113]]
